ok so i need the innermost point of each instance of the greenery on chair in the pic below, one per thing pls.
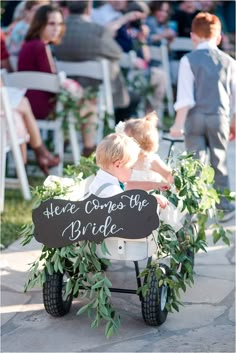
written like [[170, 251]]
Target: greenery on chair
[[73, 102], [138, 82], [193, 189]]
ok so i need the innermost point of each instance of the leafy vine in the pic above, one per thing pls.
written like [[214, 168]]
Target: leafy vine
[[193, 190]]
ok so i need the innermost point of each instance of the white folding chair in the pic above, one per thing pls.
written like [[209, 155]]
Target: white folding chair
[[14, 62], [181, 44], [127, 60], [49, 83], [98, 70], [161, 54], [12, 143]]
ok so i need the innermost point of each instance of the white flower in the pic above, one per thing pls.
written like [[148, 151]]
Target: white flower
[[73, 87], [52, 182], [71, 189], [120, 127]]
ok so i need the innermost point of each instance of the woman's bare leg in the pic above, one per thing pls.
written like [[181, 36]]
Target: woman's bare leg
[[89, 129], [23, 148], [25, 110], [44, 158]]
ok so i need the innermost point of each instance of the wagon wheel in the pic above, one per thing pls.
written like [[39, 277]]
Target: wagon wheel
[[154, 310], [53, 294]]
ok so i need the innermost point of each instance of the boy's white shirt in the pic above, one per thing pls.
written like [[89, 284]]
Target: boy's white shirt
[[185, 90], [102, 178]]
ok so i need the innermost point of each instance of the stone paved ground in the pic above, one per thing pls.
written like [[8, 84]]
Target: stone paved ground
[[206, 323]]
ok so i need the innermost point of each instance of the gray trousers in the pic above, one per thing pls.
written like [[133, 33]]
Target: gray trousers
[[205, 133]]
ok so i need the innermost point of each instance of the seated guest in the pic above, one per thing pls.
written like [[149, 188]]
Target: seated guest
[[85, 40], [25, 120], [22, 110], [125, 20], [184, 15], [113, 15], [47, 27], [5, 62], [159, 24], [18, 32]]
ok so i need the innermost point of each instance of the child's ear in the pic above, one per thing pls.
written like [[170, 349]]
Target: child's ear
[[193, 37], [218, 40], [117, 164]]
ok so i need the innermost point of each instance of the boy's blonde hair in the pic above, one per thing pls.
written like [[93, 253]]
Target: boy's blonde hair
[[206, 25], [144, 131], [117, 147]]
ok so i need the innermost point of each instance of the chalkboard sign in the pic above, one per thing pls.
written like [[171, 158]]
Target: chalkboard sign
[[131, 214]]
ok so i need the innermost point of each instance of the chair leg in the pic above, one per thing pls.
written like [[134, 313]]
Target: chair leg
[[59, 149], [2, 163], [21, 173], [108, 94], [166, 66], [20, 168], [101, 113], [74, 141]]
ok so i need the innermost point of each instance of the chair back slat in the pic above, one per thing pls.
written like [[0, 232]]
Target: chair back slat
[[47, 82], [161, 54], [33, 80], [127, 60], [181, 44], [100, 70], [89, 69], [156, 53]]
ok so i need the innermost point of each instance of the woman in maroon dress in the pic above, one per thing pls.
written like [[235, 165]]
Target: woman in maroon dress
[[25, 120], [46, 28]]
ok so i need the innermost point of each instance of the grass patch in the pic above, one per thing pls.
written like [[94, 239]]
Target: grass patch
[[17, 212]]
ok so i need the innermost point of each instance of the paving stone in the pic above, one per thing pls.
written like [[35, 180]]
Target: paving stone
[[208, 290], [11, 304], [205, 324], [226, 272], [204, 339], [232, 313], [194, 316]]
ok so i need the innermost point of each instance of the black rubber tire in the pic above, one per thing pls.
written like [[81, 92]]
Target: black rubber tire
[[53, 300], [153, 304]]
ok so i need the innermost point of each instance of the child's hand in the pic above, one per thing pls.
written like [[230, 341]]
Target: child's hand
[[162, 201], [140, 64], [176, 130], [163, 186]]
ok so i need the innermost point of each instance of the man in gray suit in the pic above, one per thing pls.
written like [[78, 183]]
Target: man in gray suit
[[85, 40]]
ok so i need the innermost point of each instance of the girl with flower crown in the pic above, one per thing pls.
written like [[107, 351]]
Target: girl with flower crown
[[150, 172], [149, 168]]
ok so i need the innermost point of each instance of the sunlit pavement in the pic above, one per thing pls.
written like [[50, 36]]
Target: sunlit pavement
[[206, 323]]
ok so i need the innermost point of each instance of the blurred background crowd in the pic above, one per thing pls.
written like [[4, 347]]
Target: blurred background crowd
[[35, 34]]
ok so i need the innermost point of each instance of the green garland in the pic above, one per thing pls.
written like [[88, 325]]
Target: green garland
[[71, 106], [194, 184]]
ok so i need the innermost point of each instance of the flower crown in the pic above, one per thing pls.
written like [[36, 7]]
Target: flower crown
[[120, 127]]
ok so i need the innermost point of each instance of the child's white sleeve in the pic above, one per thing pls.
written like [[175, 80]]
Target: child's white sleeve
[[185, 87]]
